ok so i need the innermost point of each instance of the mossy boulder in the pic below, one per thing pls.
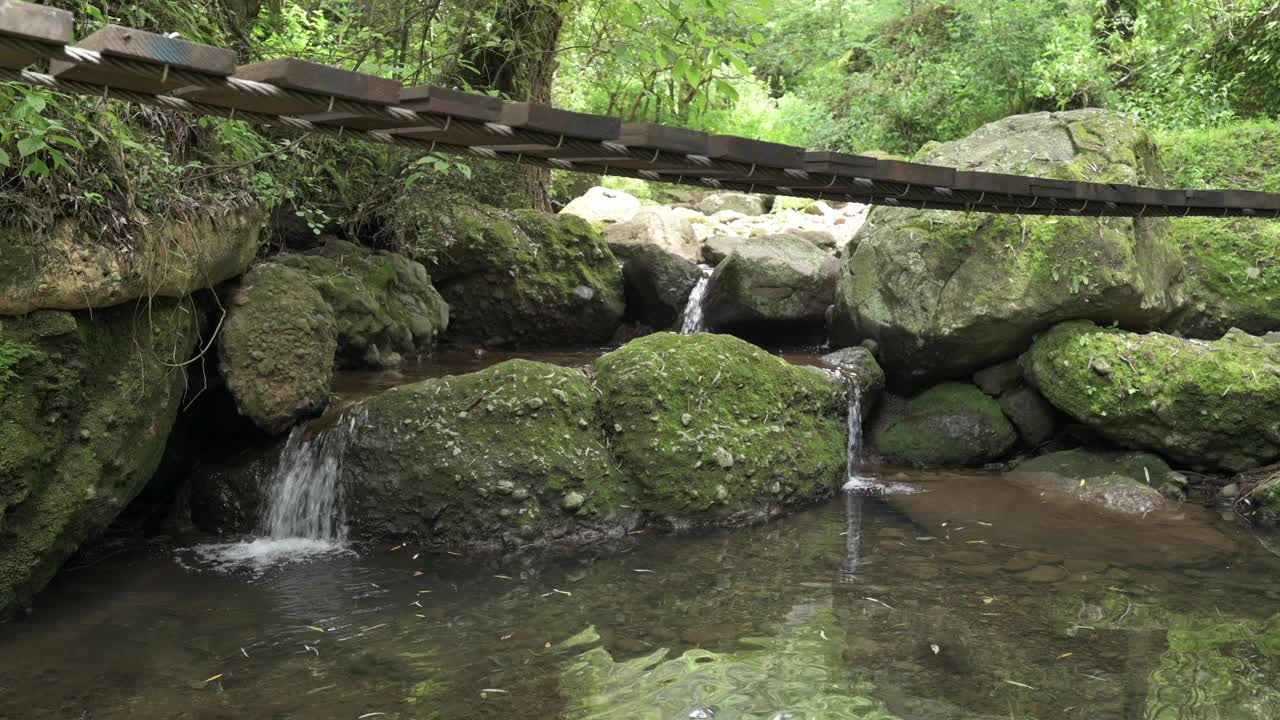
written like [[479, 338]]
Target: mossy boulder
[[277, 347], [772, 286], [858, 365], [950, 425], [946, 294], [713, 430], [1206, 405], [1232, 264], [86, 405], [69, 269], [383, 303], [502, 457], [524, 278]]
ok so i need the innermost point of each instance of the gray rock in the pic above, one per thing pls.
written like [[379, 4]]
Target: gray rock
[[859, 364], [658, 284], [1123, 481], [718, 247], [770, 286], [1030, 413], [654, 226], [603, 206], [998, 379], [738, 202]]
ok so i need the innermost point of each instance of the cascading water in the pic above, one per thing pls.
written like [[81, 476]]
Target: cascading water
[[305, 498], [302, 513], [853, 451], [693, 307]]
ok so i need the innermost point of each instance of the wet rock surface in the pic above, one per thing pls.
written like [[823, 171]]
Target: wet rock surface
[[772, 286], [948, 425]]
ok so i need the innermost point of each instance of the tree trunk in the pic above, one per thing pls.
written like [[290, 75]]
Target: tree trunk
[[523, 68]]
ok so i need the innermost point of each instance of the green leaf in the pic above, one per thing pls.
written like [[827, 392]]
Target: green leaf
[[4, 159], [30, 145]]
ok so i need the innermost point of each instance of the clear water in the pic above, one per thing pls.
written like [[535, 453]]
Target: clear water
[[693, 322], [973, 598]]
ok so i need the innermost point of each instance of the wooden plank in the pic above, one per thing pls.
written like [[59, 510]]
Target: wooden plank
[[994, 183], [453, 103], [731, 148], [154, 50], [45, 25], [322, 81], [551, 121], [834, 163], [909, 173], [437, 108], [651, 136]]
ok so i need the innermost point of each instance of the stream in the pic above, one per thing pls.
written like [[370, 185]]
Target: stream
[[971, 597]]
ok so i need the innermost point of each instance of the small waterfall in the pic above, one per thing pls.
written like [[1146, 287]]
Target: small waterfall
[[302, 514], [853, 451], [305, 496], [693, 307]]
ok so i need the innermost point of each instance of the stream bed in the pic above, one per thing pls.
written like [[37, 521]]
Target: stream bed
[[992, 615]]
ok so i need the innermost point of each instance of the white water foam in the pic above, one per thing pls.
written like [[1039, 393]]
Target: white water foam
[[693, 306]]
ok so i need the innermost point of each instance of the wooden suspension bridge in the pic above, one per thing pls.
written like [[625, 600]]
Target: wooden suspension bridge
[[175, 74]]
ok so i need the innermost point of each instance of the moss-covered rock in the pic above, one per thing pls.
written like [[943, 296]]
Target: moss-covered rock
[[1203, 404], [858, 364], [801, 673], [1232, 264], [384, 303], [949, 425], [505, 456], [277, 347], [67, 270], [771, 286], [86, 404], [713, 430], [946, 294], [524, 277]]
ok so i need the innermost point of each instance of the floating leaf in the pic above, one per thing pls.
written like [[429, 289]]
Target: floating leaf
[[934, 647]]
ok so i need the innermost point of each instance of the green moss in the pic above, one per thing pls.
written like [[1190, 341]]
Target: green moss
[[82, 430], [1233, 265], [525, 277], [1204, 404], [383, 303], [11, 356], [488, 457], [712, 429], [948, 425]]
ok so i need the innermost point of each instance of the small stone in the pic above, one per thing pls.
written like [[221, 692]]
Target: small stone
[[505, 512], [1100, 366], [1230, 491], [572, 501], [722, 492], [723, 458], [534, 403], [776, 488], [520, 493], [582, 422], [685, 419], [559, 395], [85, 434], [505, 487]]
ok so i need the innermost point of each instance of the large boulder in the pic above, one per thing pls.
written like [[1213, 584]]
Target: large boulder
[[502, 457], [277, 347], [779, 285], [71, 270], [657, 226], [86, 405], [384, 303], [948, 293], [734, 201], [952, 425], [524, 277], [603, 206], [658, 285], [1206, 405], [718, 247], [1232, 264], [712, 430]]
